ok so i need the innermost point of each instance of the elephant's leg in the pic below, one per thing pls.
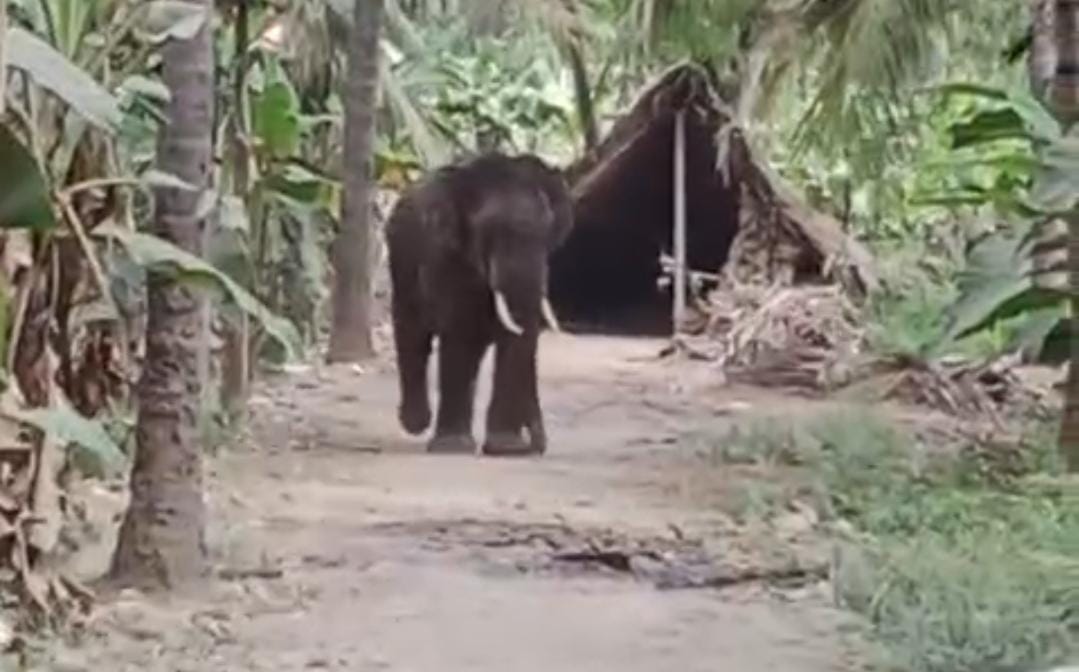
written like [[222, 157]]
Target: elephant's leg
[[515, 400], [459, 355], [412, 340], [413, 344], [537, 433]]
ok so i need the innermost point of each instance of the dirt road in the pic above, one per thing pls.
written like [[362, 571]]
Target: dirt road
[[340, 545]]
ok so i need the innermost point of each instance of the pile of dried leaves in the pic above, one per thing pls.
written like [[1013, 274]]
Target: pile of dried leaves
[[812, 338], [960, 387], [804, 337], [33, 516], [65, 374]]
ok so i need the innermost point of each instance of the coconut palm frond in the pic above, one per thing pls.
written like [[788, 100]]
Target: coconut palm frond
[[566, 21], [403, 30], [309, 45], [431, 150], [879, 43], [870, 53]]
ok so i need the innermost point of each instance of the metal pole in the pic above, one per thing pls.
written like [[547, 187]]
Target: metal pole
[[679, 307]]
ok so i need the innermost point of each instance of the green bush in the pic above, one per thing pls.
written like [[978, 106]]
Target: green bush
[[950, 570]]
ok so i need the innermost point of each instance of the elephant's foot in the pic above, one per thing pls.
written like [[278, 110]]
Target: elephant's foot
[[452, 444], [506, 444], [414, 417]]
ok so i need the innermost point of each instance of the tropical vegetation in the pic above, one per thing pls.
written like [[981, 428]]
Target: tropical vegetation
[[190, 194]]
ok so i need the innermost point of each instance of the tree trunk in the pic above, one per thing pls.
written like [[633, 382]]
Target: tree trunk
[[1064, 94], [1069, 425], [582, 93], [236, 370], [350, 338], [1041, 59], [161, 541], [582, 88], [3, 61]]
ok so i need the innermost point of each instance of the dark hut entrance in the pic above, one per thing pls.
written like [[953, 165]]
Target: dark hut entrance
[[740, 219], [607, 276]]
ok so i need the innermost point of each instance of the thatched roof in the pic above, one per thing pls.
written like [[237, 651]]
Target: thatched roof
[[772, 202], [682, 87], [743, 219]]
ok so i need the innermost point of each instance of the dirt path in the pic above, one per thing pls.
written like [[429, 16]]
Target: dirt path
[[341, 546]]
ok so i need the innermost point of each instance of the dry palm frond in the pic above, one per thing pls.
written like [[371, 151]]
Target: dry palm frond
[[811, 338], [971, 389], [785, 336]]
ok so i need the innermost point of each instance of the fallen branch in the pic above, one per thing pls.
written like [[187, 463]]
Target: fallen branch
[[240, 574], [680, 346], [797, 575], [619, 561]]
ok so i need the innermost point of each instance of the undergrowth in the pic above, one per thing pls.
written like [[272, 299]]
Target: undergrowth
[[908, 315], [952, 569]]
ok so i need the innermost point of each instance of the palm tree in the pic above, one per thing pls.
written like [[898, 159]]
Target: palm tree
[[235, 365], [572, 45], [1041, 57], [350, 338], [3, 64], [1064, 95], [162, 536], [1069, 425]]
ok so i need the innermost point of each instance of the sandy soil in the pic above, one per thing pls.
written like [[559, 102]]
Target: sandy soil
[[340, 545]]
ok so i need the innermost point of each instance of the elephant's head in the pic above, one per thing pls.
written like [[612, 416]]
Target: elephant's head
[[517, 211]]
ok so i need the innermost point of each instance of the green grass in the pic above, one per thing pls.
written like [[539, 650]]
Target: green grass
[[950, 570]]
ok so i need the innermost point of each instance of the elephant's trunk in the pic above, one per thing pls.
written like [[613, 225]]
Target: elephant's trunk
[[517, 286], [502, 309], [506, 317]]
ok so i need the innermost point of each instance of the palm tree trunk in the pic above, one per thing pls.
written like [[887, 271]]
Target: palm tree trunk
[[582, 94], [1069, 425], [582, 88], [236, 369], [162, 536], [3, 61], [350, 337], [1041, 59], [1064, 93]]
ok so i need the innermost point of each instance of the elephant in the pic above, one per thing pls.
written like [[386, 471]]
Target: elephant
[[468, 250]]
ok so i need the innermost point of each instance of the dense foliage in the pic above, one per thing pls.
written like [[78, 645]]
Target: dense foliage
[[909, 120]]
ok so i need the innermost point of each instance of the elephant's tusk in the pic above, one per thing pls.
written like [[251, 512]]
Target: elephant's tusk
[[504, 316], [548, 314]]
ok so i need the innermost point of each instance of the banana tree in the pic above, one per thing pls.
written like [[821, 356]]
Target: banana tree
[[1025, 164], [76, 180]]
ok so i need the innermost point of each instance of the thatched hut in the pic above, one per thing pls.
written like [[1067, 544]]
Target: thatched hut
[[740, 220]]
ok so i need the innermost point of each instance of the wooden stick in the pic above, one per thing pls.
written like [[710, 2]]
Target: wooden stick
[[679, 308]]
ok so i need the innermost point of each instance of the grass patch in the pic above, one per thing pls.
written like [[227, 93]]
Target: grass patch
[[951, 570]]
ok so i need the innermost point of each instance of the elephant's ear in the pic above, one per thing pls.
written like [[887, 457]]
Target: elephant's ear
[[557, 193]]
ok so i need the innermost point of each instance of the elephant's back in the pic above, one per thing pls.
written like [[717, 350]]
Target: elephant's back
[[428, 195]]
